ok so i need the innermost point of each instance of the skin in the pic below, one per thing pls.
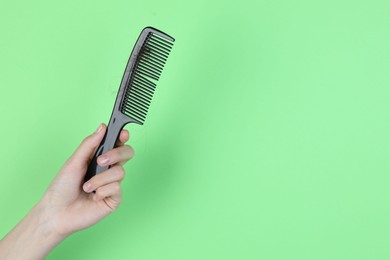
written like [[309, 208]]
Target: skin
[[69, 204]]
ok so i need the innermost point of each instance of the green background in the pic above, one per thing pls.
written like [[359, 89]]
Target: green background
[[268, 136]]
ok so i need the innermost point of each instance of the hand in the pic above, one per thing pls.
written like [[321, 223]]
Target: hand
[[71, 204]]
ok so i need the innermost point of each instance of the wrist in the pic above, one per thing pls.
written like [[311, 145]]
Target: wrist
[[32, 238], [46, 227]]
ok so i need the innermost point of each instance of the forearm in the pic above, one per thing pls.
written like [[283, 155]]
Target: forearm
[[32, 238]]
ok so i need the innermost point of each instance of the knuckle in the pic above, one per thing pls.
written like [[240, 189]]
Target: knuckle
[[129, 151], [116, 187], [86, 140], [120, 170]]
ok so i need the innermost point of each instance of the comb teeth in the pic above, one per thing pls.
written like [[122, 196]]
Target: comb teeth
[[147, 70]]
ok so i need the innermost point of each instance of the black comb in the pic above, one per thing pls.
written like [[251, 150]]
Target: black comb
[[136, 90]]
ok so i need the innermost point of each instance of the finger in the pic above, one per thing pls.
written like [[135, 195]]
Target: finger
[[83, 154], [114, 174], [124, 136], [116, 155], [112, 190]]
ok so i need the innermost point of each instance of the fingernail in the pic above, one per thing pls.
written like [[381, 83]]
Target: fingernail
[[104, 159], [87, 186], [99, 128]]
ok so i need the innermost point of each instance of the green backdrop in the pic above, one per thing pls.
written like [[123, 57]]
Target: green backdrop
[[268, 136]]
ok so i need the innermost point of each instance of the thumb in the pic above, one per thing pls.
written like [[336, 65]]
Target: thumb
[[83, 154]]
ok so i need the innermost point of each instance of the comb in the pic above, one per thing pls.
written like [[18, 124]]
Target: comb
[[136, 90]]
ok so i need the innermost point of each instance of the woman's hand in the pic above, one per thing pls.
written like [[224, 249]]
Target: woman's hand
[[72, 203], [69, 204]]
